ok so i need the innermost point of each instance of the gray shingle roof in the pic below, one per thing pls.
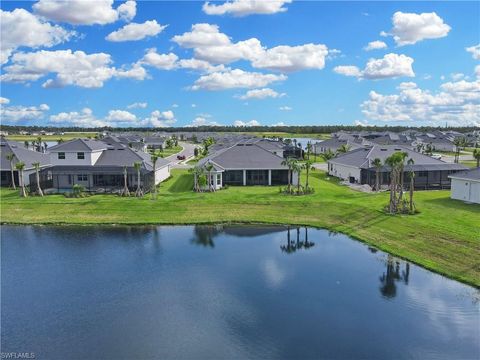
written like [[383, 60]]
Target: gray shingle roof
[[473, 174], [21, 154], [362, 158], [245, 156], [79, 145], [126, 157]]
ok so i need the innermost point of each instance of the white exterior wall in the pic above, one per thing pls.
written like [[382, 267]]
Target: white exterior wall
[[295, 179], [71, 158], [162, 174], [344, 172], [466, 190]]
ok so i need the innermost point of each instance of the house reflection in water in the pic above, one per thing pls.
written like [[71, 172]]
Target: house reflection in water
[[204, 234], [394, 274], [295, 245]]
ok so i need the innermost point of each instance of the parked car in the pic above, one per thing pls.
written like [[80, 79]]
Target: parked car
[[181, 157], [437, 156]]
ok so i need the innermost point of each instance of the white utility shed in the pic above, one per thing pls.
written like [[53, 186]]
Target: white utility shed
[[466, 186]]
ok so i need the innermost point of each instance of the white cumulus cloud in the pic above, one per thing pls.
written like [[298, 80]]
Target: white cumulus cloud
[[261, 94], [246, 7], [134, 31], [69, 67], [21, 28], [236, 78], [81, 12], [375, 45], [390, 66], [475, 51], [240, 123], [20, 112], [457, 103], [159, 61], [410, 28], [137, 105]]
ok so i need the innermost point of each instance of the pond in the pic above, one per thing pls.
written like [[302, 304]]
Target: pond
[[203, 292]]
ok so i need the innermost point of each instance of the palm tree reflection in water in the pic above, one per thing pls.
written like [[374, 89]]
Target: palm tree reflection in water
[[394, 274], [293, 246]]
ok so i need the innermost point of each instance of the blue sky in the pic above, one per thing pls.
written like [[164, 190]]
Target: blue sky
[[65, 72]]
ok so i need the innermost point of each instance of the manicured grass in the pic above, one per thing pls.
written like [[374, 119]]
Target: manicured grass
[[289, 135], [469, 163], [443, 237], [171, 151], [66, 136]]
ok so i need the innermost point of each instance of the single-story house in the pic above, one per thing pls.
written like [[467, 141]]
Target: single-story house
[[356, 166], [333, 145], [28, 157], [155, 142], [466, 186], [246, 164], [95, 164]]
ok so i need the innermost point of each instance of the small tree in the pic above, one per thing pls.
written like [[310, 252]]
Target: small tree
[[308, 166], [197, 173], [288, 162], [297, 168], [36, 165], [138, 166], [343, 149], [411, 162], [26, 143], [20, 166], [328, 155], [476, 155], [11, 157], [209, 168], [378, 165], [125, 191], [154, 157]]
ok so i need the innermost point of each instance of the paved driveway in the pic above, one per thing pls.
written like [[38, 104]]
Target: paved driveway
[[188, 152]]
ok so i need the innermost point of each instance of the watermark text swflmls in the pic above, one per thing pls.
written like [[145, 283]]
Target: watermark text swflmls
[[17, 355]]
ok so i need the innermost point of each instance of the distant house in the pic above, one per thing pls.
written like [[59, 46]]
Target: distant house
[[246, 164], [95, 164], [356, 167], [154, 142], [28, 157], [466, 186], [438, 142], [334, 144]]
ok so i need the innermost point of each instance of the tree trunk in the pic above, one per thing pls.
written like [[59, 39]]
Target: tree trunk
[[411, 192], [306, 181], [154, 185], [289, 180], [39, 189], [138, 192], [377, 180], [125, 191], [23, 193], [298, 183], [13, 176]]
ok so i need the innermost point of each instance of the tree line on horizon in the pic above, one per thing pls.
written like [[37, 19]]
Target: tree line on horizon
[[304, 129]]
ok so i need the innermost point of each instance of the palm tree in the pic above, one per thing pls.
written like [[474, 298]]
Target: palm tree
[[39, 144], [11, 157], [26, 143], [154, 158], [309, 150], [125, 191], [20, 166], [297, 168], [209, 168], [476, 155], [138, 165], [343, 149], [396, 162], [378, 165], [459, 142], [36, 165], [307, 166], [288, 162], [328, 155], [403, 155], [411, 162], [197, 172]]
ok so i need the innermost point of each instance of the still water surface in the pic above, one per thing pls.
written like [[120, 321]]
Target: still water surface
[[224, 292]]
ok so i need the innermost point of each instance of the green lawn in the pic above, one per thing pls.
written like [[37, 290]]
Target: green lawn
[[66, 136], [469, 163], [444, 237], [171, 151]]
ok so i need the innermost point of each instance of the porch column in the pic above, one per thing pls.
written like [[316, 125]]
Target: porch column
[[244, 177], [269, 177]]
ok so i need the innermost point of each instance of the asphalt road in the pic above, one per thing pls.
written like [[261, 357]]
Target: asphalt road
[[188, 152]]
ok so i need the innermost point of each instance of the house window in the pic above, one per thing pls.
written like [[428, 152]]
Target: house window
[[219, 179], [80, 155], [422, 173], [82, 177], [61, 156]]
